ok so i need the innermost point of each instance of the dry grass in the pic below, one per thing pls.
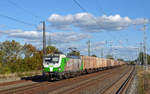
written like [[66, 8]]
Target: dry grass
[[143, 80], [21, 74]]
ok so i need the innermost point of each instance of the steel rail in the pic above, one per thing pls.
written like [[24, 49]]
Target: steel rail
[[120, 90]]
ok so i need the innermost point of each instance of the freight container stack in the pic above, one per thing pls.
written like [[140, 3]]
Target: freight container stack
[[91, 61], [86, 62], [108, 63], [118, 62], [95, 62], [99, 63], [115, 63], [104, 63], [121, 62]]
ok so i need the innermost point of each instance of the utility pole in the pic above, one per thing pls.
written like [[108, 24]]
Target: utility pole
[[106, 48], [88, 43], [111, 48], [49, 40], [137, 51], [44, 39], [145, 51], [115, 57]]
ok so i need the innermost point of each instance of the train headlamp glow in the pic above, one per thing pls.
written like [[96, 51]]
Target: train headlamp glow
[[59, 69]]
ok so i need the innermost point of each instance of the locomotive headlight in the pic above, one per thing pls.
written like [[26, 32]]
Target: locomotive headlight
[[59, 69]]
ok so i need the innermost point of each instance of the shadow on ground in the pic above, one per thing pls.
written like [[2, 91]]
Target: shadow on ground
[[38, 78]]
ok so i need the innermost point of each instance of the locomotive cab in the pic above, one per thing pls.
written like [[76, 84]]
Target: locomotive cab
[[52, 62]]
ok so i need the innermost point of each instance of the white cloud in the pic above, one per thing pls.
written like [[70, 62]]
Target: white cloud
[[35, 37], [61, 22], [68, 37], [10, 31], [90, 23]]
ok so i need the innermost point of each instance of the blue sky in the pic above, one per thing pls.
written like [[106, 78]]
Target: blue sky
[[77, 34]]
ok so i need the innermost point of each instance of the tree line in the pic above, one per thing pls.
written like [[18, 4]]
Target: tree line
[[15, 57], [141, 58]]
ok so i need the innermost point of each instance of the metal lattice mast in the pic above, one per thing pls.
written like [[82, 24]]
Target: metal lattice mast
[[145, 51], [88, 43], [102, 53]]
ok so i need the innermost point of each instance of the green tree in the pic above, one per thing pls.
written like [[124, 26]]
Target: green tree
[[148, 58], [28, 50], [94, 55], [141, 58], [1, 56], [10, 50], [38, 60], [120, 59], [74, 53], [51, 50], [109, 57]]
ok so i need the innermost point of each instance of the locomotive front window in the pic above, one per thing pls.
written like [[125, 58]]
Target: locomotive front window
[[55, 59], [52, 59]]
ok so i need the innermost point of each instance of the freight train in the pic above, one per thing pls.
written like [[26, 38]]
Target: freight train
[[61, 66]]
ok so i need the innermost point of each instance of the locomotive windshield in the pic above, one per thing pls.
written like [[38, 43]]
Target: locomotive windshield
[[52, 59]]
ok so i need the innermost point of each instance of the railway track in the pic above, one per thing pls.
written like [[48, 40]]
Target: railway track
[[77, 85], [85, 89], [121, 85], [11, 83], [125, 86]]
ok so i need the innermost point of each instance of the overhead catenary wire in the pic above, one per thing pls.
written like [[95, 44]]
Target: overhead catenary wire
[[25, 10], [80, 6], [104, 13], [19, 21]]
